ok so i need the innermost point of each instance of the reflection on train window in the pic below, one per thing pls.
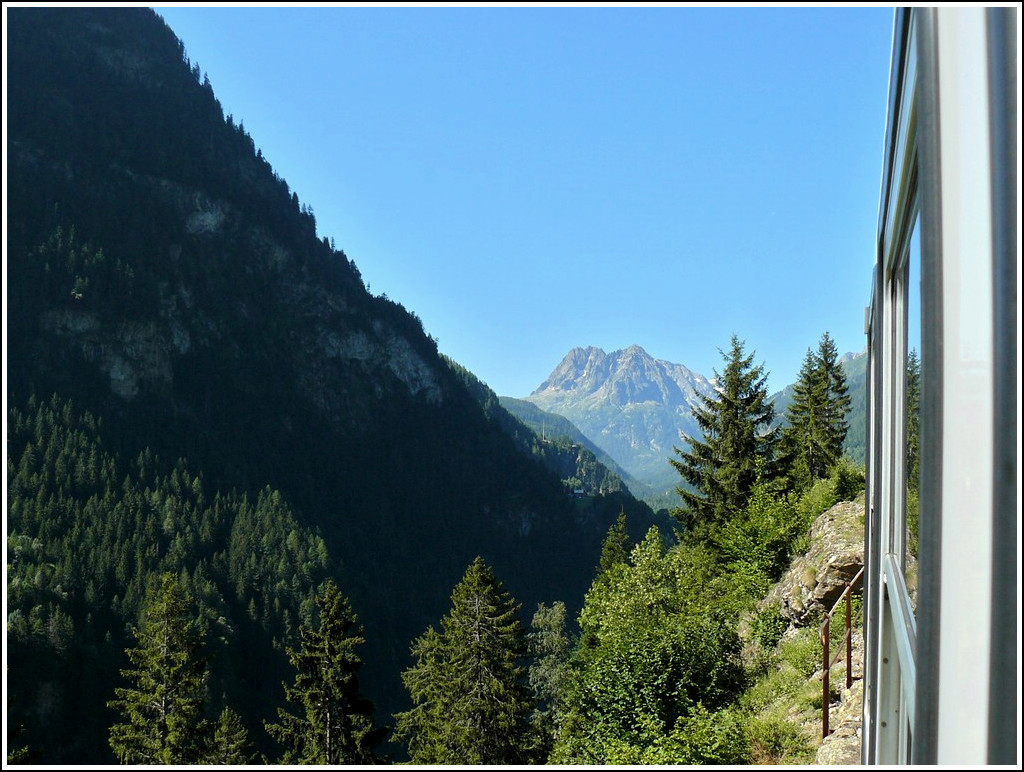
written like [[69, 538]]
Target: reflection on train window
[[912, 404]]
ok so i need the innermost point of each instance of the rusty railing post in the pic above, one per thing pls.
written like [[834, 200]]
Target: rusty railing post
[[849, 639], [824, 677], [826, 664]]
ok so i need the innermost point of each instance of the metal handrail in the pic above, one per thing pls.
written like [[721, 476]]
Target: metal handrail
[[826, 665]]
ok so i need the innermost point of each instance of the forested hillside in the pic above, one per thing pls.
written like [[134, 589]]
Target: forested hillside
[[86, 533], [174, 294], [551, 426]]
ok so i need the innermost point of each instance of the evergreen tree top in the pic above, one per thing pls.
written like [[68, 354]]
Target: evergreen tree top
[[470, 701], [817, 415], [335, 721], [163, 709], [735, 423]]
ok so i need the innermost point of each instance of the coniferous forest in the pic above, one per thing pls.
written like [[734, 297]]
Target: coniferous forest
[[253, 515]]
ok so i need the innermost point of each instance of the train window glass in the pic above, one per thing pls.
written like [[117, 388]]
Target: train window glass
[[912, 406]]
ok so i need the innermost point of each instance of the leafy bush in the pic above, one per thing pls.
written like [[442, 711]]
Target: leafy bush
[[710, 738], [821, 496], [847, 479], [768, 627], [702, 737], [653, 650]]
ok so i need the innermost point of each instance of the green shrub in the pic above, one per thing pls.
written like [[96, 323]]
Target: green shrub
[[738, 589], [820, 496], [701, 737], [768, 627], [847, 479], [711, 738]]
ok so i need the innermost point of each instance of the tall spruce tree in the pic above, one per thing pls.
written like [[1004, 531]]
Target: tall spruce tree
[[335, 725], [738, 440], [164, 707], [837, 402], [616, 545], [230, 741], [813, 440], [548, 674], [470, 702], [804, 440]]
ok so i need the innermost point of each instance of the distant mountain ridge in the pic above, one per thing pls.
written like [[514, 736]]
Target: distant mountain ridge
[[634, 407]]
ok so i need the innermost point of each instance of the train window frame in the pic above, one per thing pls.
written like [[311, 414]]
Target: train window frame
[[949, 170], [890, 685]]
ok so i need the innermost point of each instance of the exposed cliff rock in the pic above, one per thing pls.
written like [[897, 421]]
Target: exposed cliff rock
[[816, 580], [843, 746], [127, 352]]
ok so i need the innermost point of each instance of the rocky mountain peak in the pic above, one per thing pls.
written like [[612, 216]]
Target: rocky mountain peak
[[623, 377], [633, 406]]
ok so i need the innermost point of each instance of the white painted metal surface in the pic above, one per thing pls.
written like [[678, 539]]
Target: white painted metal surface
[[967, 409]]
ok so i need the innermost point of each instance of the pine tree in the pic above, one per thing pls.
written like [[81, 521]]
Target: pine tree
[[837, 398], [335, 725], [804, 441], [616, 545], [548, 674], [164, 708], [230, 740], [467, 683], [813, 441], [738, 440]]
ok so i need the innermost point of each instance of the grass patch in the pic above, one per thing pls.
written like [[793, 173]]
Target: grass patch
[[802, 652], [776, 740], [783, 705]]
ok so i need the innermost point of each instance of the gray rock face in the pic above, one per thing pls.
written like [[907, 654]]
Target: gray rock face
[[843, 746], [816, 580], [128, 352], [326, 338]]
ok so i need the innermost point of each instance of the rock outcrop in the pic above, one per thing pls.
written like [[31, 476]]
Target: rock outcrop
[[843, 746], [815, 581]]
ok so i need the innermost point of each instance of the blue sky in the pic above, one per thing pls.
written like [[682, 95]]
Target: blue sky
[[528, 180]]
